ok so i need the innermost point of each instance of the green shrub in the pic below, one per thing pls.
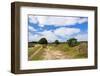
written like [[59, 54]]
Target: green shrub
[[56, 42], [72, 42], [43, 41]]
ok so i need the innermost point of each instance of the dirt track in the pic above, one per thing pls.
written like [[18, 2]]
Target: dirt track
[[54, 54]]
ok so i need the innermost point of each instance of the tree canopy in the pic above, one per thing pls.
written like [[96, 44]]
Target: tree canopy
[[72, 42], [43, 41], [56, 42]]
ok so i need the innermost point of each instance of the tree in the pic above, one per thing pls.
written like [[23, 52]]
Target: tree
[[72, 42], [56, 42], [43, 41]]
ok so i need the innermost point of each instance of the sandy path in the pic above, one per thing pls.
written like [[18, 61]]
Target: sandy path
[[54, 54]]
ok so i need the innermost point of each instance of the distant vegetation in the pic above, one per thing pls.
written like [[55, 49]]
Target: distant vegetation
[[72, 42], [43, 41], [57, 42], [71, 49]]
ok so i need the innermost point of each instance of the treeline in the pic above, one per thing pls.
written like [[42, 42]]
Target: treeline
[[71, 42]]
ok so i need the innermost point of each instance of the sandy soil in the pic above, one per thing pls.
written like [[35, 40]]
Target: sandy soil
[[54, 54]]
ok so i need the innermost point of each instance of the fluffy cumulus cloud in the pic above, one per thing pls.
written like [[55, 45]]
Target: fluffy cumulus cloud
[[33, 19], [62, 32], [66, 31], [82, 37], [64, 21], [31, 37], [82, 20], [34, 37], [57, 21], [51, 36], [30, 28]]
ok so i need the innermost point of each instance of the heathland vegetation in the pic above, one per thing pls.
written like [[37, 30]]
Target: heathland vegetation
[[43, 50]]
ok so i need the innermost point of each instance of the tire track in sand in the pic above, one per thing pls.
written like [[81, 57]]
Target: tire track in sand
[[54, 54]]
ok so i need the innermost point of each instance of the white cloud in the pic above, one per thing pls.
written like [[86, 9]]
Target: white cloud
[[82, 37], [65, 21], [49, 35], [62, 21], [32, 37], [66, 31], [31, 28], [62, 32], [33, 19], [57, 21], [42, 20], [82, 20], [41, 25]]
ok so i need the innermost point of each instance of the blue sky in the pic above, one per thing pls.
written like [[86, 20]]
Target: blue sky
[[57, 28]]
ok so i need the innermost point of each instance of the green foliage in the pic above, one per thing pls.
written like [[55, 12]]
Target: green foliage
[[72, 42], [43, 41], [56, 42]]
